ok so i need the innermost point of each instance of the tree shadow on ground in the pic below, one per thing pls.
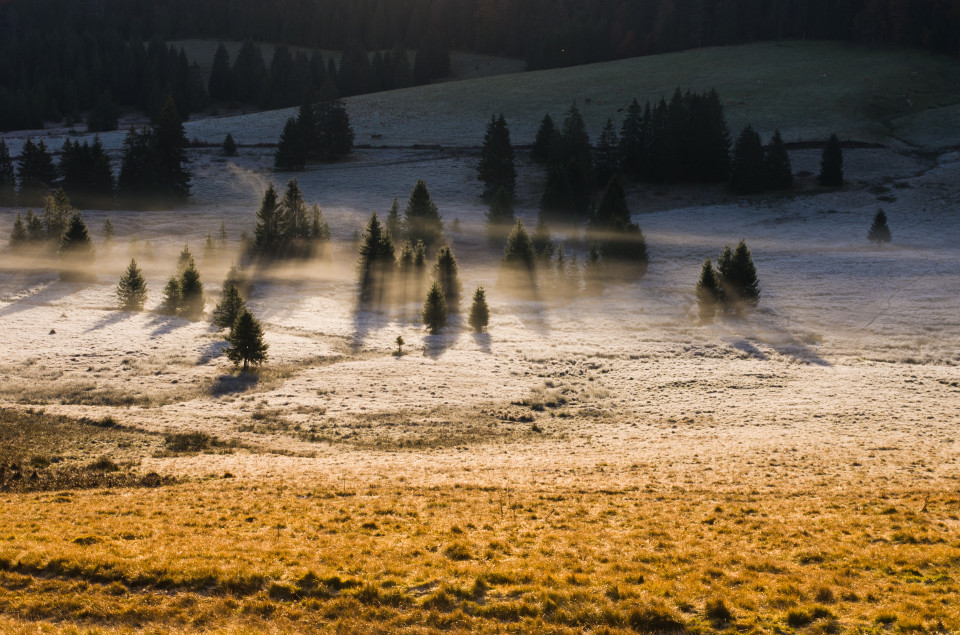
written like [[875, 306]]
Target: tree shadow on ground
[[367, 318], [45, 294], [229, 384], [166, 324], [748, 335], [483, 341], [212, 352], [115, 317], [749, 349], [436, 344]]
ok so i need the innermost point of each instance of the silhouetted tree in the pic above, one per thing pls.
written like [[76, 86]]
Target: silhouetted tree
[[446, 273], [633, 141], [500, 217], [747, 168], [394, 227], [377, 261], [496, 168], [778, 174], [708, 292], [421, 217], [172, 297], [192, 300], [831, 163], [220, 85], [18, 234], [738, 278], [8, 179], [132, 289], [229, 146], [169, 141], [76, 250], [291, 151], [228, 309], [246, 341], [546, 142], [36, 171], [606, 160], [879, 231]]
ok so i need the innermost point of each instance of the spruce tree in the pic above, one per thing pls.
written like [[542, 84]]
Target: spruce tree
[[747, 167], [708, 292], [228, 309], [377, 260], [831, 163], [229, 146], [606, 159], [107, 231], [446, 273], [394, 222], [557, 199], [172, 297], [500, 216], [291, 151], [76, 250], [479, 311], [36, 171], [266, 234], [421, 217], [18, 235], [632, 142], [434, 314], [132, 289], [496, 168], [57, 212], [626, 246], [519, 259], [778, 174], [8, 179], [246, 341], [612, 208], [220, 86], [191, 293], [879, 231], [546, 142], [168, 153], [738, 278]]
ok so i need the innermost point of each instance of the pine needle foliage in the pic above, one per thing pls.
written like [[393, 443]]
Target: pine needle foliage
[[132, 289]]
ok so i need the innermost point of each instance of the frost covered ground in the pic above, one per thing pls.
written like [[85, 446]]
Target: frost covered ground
[[849, 371]]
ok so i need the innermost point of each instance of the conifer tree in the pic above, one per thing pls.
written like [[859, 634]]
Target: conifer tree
[[496, 168], [831, 163], [220, 86], [319, 228], [434, 314], [8, 179], [546, 142], [606, 160], [191, 293], [229, 146], [778, 174], [879, 231], [739, 284], [107, 231], [500, 217], [57, 212], [446, 273], [557, 199], [132, 289], [519, 258], [626, 245], [184, 259], [172, 297], [267, 231], [421, 217], [246, 341], [168, 154], [291, 151], [18, 235], [228, 309], [542, 241], [708, 292], [76, 249], [36, 171], [393, 221], [612, 208], [632, 143], [479, 311], [747, 167], [377, 260]]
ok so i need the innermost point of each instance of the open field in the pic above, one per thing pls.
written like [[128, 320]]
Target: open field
[[596, 465]]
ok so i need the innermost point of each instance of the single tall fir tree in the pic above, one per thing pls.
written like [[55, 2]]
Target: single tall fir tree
[[831, 163], [479, 311], [377, 261], [879, 231], [496, 168], [192, 300], [434, 314], [132, 289], [747, 167], [422, 218], [446, 273], [708, 292], [778, 174], [231, 305], [246, 341], [76, 250]]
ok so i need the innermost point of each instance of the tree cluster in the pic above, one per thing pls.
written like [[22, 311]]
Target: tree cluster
[[755, 168], [183, 295], [288, 228], [153, 164], [321, 131], [731, 286]]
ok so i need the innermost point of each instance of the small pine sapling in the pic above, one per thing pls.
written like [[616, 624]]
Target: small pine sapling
[[400, 343], [434, 313], [879, 231]]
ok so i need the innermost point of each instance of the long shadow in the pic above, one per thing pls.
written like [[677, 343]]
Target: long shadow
[[115, 317], [367, 318], [436, 344], [483, 341], [528, 306], [166, 324], [228, 384], [749, 349], [48, 294], [212, 352], [779, 339]]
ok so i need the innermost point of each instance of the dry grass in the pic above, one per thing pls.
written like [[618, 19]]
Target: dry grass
[[229, 555]]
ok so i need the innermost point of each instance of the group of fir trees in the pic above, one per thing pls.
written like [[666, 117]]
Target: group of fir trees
[[754, 168], [731, 286], [320, 132], [568, 156], [183, 294], [153, 167], [288, 228]]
